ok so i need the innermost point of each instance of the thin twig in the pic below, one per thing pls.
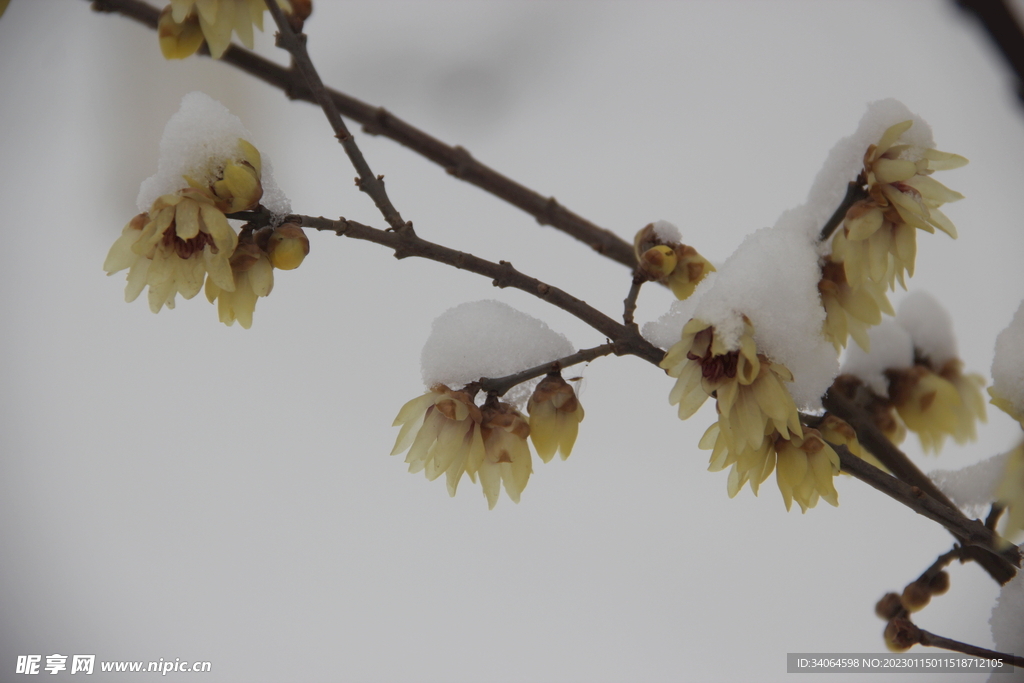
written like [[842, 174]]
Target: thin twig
[[629, 303], [999, 20], [854, 193], [627, 340], [931, 640], [369, 183], [970, 532], [499, 385], [378, 121]]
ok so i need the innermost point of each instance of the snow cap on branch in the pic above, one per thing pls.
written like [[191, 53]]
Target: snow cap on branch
[[195, 142], [487, 339]]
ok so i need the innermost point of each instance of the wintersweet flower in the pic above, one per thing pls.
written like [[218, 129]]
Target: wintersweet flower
[[806, 467], [849, 311], [555, 416], [835, 430], [878, 240], [1011, 491], [179, 40], [971, 408], [253, 276], [172, 248], [671, 263], [1005, 405], [443, 432], [216, 19], [507, 458], [928, 404]]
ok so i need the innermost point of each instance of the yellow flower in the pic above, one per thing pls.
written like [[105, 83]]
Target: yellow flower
[[972, 403], [253, 277], [216, 19], [752, 465], [287, 246], [927, 403], [836, 431], [1005, 405], [849, 311], [179, 40], [1011, 491], [677, 265], [171, 249], [878, 240], [446, 433], [806, 466], [507, 458], [555, 416], [442, 430]]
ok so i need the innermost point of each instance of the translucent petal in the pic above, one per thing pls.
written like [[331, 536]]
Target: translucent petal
[[891, 135]]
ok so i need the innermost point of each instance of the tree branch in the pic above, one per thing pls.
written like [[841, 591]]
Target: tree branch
[[854, 193], [1002, 27], [627, 340], [629, 303], [931, 640], [1003, 557], [500, 385], [372, 185], [378, 121]]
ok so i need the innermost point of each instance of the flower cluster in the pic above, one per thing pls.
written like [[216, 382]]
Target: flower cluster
[[663, 258], [877, 244], [185, 24], [758, 427], [185, 239], [445, 432]]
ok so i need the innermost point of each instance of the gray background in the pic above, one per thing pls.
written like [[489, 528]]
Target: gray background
[[172, 488]]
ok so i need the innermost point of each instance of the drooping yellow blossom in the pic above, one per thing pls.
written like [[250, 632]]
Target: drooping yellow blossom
[[446, 433], [806, 467], [849, 311], [507, 458], [555, 416], [216, 19], [185, 236], [172, 248], [443, 432], [1005, 405], [253, 276], [287, 246], [838, 431], [756, 414], [1010, 492], [878, 239], [927, 403], [676, 265], [972, 403]]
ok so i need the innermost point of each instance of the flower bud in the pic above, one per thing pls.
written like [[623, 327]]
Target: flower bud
[[658, 262], [178, 41], [915, 596], [900, 635], [939, 583], [555, 416], [889, 606], [287, 246]]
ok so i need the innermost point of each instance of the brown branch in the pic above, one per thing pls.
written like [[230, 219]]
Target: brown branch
[[406, 243], [629, 303], [499, 385], [372, 185], [378, 121], [1000, 559], [854, 193], [1002, 27], [931, 640]]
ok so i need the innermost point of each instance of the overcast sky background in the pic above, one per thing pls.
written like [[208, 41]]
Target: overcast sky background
[[173, 488]]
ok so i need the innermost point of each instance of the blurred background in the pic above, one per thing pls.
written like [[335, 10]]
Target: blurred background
[[174, 488]]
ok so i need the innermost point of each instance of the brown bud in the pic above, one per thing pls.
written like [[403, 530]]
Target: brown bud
[[901, 635], [889, 606], [915, 596], [939, 583]]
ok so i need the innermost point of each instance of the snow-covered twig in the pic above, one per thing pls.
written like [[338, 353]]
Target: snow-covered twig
[[500, 385]]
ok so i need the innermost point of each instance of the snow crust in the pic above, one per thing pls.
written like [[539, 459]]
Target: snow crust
[[846, 159], [972, 488], [1008, 362], [196, 140], [891, 347], [930, 327], [1007, 622], [487, 339], [666, 232]]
